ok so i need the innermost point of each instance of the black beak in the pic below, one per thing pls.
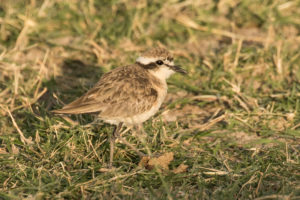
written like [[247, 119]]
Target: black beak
[[177, 69]]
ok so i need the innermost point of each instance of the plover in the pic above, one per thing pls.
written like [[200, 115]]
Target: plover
[[128, 95]]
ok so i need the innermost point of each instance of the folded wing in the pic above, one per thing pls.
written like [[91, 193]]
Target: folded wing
[[122, 92]]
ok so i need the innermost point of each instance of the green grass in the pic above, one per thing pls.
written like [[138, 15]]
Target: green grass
[[233, 121]]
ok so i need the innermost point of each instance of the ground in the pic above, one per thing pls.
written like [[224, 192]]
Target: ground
[[230, 129]]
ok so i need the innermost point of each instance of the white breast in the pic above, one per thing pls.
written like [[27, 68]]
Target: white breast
[[162, 73]]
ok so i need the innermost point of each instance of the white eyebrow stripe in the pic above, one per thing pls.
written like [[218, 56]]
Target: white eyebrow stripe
[[145, 60]]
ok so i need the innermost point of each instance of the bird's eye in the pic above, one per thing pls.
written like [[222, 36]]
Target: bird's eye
[[159, 62]]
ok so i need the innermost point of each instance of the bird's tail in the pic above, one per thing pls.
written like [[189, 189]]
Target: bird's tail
[[77, 110]]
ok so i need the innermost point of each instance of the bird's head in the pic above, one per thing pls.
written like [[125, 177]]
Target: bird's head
[[160, 62]]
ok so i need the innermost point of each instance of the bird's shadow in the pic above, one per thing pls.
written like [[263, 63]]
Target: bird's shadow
[[75, 79]]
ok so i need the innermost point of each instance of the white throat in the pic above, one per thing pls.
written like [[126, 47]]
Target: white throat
[[162, 73]]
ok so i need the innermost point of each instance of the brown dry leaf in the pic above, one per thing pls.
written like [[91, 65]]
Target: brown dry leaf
[[243, 138], [161, 162], [37, 137], [169, 116], [144, 161], [290, 117], [14, 149], [187, 142], [278, 124], [180, 169], [188, 22], [3, 151], [105, 170]]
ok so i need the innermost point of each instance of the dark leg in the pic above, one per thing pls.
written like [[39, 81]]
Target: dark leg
[[112, 140], [116, 134], [132, 147], [142, 137]]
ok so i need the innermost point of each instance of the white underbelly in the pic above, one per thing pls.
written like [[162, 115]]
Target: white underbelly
[[139, 118]]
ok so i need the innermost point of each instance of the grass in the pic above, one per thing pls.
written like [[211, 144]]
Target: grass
[[228, 130]]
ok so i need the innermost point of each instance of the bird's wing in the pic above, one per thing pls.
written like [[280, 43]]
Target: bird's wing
[[122, 92]]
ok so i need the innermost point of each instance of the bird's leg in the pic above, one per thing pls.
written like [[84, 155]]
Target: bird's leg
[[112, 140], [114, 136], [132, 147], [142, 137], [112, 146]]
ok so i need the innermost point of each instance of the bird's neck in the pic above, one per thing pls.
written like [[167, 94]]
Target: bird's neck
[[162, 73]]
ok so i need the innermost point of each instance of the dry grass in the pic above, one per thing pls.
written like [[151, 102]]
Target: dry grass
[[232, 125]]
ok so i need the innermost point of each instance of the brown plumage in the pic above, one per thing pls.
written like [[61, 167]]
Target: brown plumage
[[128, 95], [122, 92]]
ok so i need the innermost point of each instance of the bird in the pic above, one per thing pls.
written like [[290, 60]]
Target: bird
[[128, 95]]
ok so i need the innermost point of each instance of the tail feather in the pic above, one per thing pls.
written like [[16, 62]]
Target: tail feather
[[78, 110]]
